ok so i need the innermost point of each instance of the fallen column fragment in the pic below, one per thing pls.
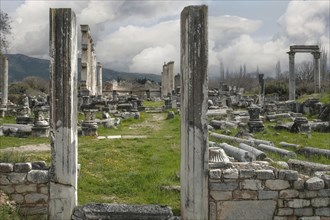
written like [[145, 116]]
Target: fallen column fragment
[[314, 151], [285, 144], [236, 153], [218, 158], [308, 168], [252, 142], [259, 155], [276, 150]]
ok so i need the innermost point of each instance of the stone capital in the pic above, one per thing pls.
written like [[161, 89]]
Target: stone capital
[[291, 53], [316, 55]]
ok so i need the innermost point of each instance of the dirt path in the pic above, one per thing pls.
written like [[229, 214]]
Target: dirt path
[[151, 122], [28, 148]]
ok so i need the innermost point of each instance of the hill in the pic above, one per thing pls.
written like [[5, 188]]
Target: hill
[[21, 66]]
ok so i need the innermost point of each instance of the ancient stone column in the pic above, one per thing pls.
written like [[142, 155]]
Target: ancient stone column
[[317, 73], [85, 53], [165, 81], [99, 79], [63, 117], [177, 83], [194, 96], [4, 80], [170, 69], [261, 89], [292, 77], [93, 71]]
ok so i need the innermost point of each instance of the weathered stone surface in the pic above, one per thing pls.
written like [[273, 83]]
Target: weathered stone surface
[[299, 184], [17, 178], [309, 218], [7, 189], [245, 194], [323, 212], [252, 184], [277, 184], [307, 194], [213, 211], [314, 183], [247, 210], [303, 211], [289, 193], [34, 212], [36, 198], [320, 202], [298, 203], [38, 176], [4, 180], [324, 193], [39, 165], [221, 195], [288, 175], [285, 211], [267, 194], [265, 174], [22, 167], [246, 173], [223, 186], [26, 188], [44, 189], [194, 97], [215, 174], [18, 198], [230, 173], [122, 212], [6, 167], [63, 101]]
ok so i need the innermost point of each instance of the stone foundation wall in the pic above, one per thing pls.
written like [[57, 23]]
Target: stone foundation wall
[[249, 193], [28, 185]]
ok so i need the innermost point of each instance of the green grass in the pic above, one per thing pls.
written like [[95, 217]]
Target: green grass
[[16, 142], [153, 104], [8, 120], [324, 97], [131, 170], [9, 213]]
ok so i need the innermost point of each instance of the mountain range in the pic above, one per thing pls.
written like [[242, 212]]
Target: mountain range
[[21, 66]]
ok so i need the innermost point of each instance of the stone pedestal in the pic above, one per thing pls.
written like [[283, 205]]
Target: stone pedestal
[[89, 126], [300, 124], [3, 112], [41, 126], [254, 123]]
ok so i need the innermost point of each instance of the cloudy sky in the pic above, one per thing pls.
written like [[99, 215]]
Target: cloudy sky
[[139, 36]]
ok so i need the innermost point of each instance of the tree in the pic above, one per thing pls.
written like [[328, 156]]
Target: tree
[[5, 31]]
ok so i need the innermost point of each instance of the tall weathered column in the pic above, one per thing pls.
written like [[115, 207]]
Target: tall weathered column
[[292, 77], [317, 73], [63, 118], [4, 80], [93, 71], [85, 54], [170, 69], [194, 95], [99, 78], [261, 90], [165, 80]]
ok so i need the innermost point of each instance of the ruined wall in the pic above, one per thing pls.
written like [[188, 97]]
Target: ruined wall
[[28, 185], [264, 193]]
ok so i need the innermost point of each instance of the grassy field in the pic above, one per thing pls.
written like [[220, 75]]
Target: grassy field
[[133, 170]]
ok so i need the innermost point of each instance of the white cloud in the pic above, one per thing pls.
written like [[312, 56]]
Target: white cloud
[[139, 36]]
